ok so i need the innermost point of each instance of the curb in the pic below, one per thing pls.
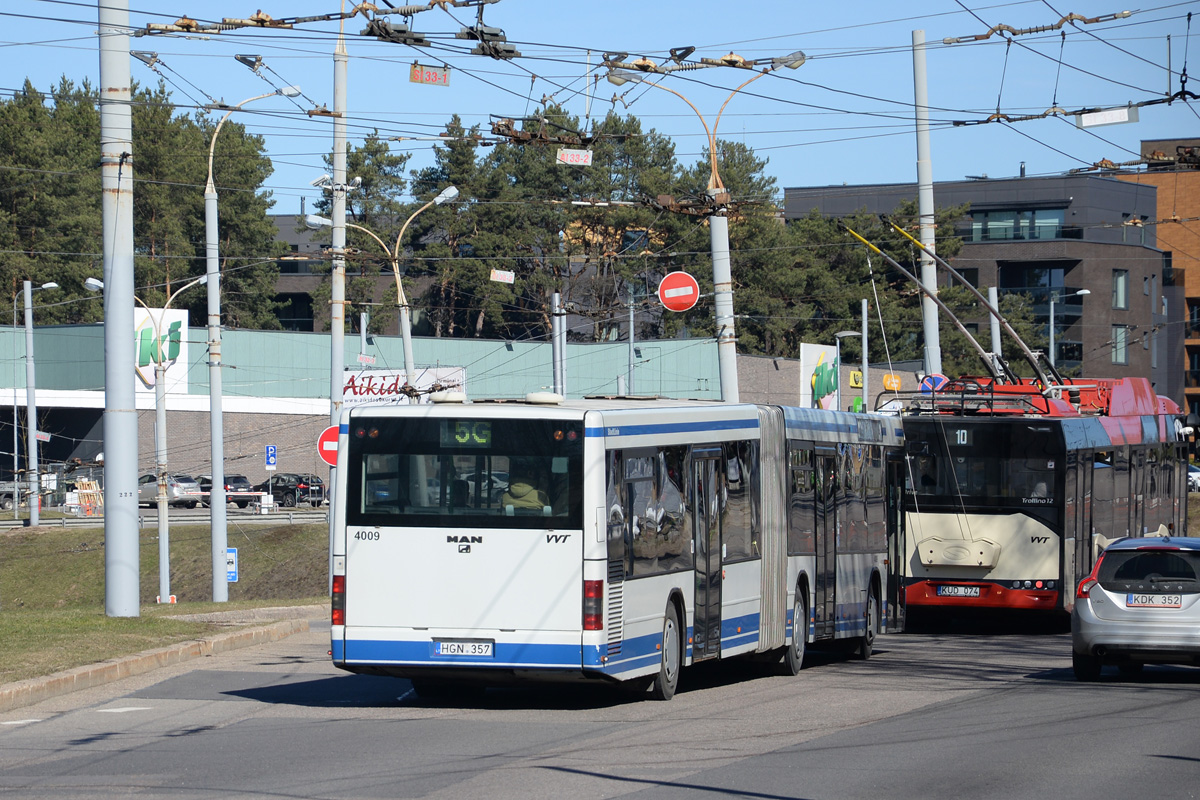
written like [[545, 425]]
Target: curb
[[34, 690]]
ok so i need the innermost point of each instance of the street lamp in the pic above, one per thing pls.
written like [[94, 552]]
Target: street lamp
[[718, 224], [393, 254], [31, 459], [1053, 297], [220, 583], [838, 361], [160, 429]]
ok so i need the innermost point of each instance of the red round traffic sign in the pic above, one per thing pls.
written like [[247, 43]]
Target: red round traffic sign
[[327, 444], [678, 291]]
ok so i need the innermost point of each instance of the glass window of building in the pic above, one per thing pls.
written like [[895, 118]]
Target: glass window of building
[[1120, 344], [1120, 289]]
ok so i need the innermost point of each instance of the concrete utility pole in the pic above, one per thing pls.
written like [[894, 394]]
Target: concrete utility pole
[[120, 410], [929, 310], [337, 302]]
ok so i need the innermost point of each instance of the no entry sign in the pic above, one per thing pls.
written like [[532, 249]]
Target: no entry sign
[[327, 444], [678, 291]]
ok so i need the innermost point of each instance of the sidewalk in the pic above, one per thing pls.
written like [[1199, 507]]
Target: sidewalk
[[267, 625]]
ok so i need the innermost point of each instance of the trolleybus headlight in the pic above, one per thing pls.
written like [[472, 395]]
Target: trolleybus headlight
[[1016, 584], [1028, 584]]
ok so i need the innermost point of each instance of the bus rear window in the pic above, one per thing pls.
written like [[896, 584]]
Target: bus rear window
[[465, 473]]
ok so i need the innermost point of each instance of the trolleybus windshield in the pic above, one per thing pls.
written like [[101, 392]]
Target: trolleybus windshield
[[1006, 464], [465, 473]]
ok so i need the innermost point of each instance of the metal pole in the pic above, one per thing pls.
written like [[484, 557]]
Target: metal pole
[[629, 381], [216, 496], [120, 411], [1052, 329], [31, 450], [929, 310], [866, 394], [718, 225], [997, 345], [16, 425], [160, 450], [555, 355], [837, 373], [337, 307]]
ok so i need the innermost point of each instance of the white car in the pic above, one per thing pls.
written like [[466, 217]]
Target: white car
[[182, 490], [1193, 478], [1140, 605]]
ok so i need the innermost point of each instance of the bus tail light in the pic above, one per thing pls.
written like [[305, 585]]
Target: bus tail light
[[593, 610], [337, 601]]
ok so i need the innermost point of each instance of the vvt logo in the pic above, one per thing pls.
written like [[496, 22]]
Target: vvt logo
[[1039, 539]]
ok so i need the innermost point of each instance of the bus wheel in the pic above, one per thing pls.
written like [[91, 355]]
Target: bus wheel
[[667, 680], [866, 644], [793, 655]]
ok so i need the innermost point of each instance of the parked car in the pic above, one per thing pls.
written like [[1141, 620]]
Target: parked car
[[291, 488], [182, 490], [238, 489], [1139, 605], [1193, 478]]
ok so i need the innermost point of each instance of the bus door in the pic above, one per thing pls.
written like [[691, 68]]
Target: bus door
[[824, 604], [706, 523], [896, 564]]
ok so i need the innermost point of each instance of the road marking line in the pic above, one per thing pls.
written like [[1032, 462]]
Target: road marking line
[[20, 722], [123, 710]]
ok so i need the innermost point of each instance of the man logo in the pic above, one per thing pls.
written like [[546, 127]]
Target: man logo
[[464, 548]]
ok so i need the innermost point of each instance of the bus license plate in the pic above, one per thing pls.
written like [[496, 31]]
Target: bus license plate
[[958, 591], [463, 648], [1153, 601]]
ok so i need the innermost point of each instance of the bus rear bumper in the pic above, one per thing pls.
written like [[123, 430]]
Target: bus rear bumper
[[925, 594]]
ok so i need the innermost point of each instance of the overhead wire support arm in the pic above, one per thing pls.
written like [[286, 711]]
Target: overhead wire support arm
[[1011, 31]]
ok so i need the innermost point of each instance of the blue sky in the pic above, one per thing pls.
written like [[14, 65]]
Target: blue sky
[[845, 116]]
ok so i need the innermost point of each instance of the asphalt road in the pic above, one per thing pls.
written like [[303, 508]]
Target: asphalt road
[[929, 716]]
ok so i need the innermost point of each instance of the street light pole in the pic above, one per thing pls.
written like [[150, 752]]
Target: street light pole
[[1054, 296], [393, 254], [31, 456], [160, 430], [220, 583], [718, 221]]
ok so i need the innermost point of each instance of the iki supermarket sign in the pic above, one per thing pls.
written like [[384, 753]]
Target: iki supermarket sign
[[169, 340], [378, 386]]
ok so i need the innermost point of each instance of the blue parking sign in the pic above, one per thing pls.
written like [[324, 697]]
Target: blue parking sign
[[231, 564], [270, 456]]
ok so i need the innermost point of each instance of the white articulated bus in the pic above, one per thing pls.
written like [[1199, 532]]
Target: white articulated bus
[[615, 539]]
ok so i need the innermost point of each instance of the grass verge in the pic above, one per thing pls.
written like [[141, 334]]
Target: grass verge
[[52, 590]]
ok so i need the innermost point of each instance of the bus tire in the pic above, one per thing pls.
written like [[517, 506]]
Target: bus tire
[[793, 654], [6, 502], [1085, 666], [667, 680], [866, 644]]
